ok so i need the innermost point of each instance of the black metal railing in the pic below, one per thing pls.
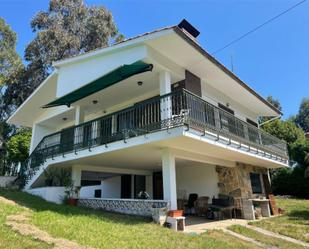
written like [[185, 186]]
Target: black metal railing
[[162, 112]]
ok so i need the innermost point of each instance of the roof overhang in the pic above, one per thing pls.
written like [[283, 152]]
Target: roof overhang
[[119, 74], [175, 45], [31, 109]]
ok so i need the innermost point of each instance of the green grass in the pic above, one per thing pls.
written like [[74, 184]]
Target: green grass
[[295, 221], [100, 229], [267, 240], [12, 240]]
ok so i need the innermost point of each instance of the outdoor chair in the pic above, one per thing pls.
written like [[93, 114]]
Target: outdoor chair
[[201, 206], [189, 207], [222, 205]]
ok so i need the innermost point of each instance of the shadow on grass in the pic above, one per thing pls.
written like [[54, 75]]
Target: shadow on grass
[[38, 204], [302, 215]]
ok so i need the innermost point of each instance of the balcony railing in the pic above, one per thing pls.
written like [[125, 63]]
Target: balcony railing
[[158, 113]]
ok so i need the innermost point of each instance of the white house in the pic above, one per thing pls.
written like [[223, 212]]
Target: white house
[[153, 113]]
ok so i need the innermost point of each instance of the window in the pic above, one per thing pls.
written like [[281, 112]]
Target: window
[[225, 108], [227, 121], [249, 121], [256, 184]]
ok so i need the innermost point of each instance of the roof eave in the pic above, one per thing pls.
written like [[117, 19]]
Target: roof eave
[[193, 43]]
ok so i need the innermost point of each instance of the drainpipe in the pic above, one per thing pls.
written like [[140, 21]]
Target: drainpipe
[[270, 120]]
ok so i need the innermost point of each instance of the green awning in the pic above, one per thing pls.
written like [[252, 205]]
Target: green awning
[[119, 74]]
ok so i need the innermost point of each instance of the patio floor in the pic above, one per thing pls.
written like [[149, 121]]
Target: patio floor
[[200, 224]]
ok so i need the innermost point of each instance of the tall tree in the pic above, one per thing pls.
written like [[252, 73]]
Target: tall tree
[[302, 118], [67, 28], [10, 66], [276, 103]]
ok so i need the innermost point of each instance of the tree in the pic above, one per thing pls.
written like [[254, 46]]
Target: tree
[[9, 59], [285, 130], [18, 146], [302, 118], [291, 181], [275, 103], [10, 65], [67, 28]]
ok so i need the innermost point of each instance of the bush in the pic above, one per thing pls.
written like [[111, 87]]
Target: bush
[[290, 181]]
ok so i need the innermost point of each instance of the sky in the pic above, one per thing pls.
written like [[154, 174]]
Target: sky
[[273, 60]]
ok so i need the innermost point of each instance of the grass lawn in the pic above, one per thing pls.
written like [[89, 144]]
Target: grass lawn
[[12, 240], [99, 229], [267, 240], [294, 223]]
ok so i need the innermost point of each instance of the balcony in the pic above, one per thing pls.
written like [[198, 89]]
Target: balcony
[[180, 108]]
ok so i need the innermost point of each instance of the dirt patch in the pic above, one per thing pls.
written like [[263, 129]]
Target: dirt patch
[[6, 201], [18, 223]]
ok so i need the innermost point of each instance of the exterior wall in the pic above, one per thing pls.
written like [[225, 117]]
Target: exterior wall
[[38, 132], [51, 194], [125, 206], [76, 75], [111, 187], [214, 97], [88, 191], [236, 181], [196, 178]]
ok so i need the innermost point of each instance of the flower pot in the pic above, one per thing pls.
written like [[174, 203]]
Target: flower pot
[[175, 213], [72, 202], [159, 215]]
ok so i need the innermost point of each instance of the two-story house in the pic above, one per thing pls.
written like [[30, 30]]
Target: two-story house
[[153, 113]]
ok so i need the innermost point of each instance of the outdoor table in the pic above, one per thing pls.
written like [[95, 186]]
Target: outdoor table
[[264, 205]]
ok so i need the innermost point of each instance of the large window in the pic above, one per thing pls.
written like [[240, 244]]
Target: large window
[[256, 183]]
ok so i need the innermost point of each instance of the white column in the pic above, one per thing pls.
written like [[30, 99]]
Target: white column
[[79, 115], [165, 88], [169, 178], [79, 118], [76, 175]]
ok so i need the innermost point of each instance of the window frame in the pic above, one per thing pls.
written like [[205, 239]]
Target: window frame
[[253, 174]]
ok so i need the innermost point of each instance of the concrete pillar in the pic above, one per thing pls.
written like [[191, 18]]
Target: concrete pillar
[[79, 119], [169, 178], [165, 88], [76, 175], [149, 184], [79, 115]]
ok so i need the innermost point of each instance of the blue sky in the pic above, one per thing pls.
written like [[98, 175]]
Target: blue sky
[[274, 60]]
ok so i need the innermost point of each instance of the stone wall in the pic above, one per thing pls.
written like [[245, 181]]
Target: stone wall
[[236, 181], [125, 206]]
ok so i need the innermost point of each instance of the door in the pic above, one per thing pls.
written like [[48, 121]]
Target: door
[[67, 140], [126, 186], [105, 130], [139, 185], [157, 186], [267, 186]]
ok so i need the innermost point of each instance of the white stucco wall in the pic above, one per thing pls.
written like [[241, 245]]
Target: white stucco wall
[[51, 194], [214, 97], [111, 187], [88, 191], [38, 132], [76, 75], [196, 178]]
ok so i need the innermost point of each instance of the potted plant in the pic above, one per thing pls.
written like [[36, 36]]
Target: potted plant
[[49, 177], [72, 194], [159, 215]]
